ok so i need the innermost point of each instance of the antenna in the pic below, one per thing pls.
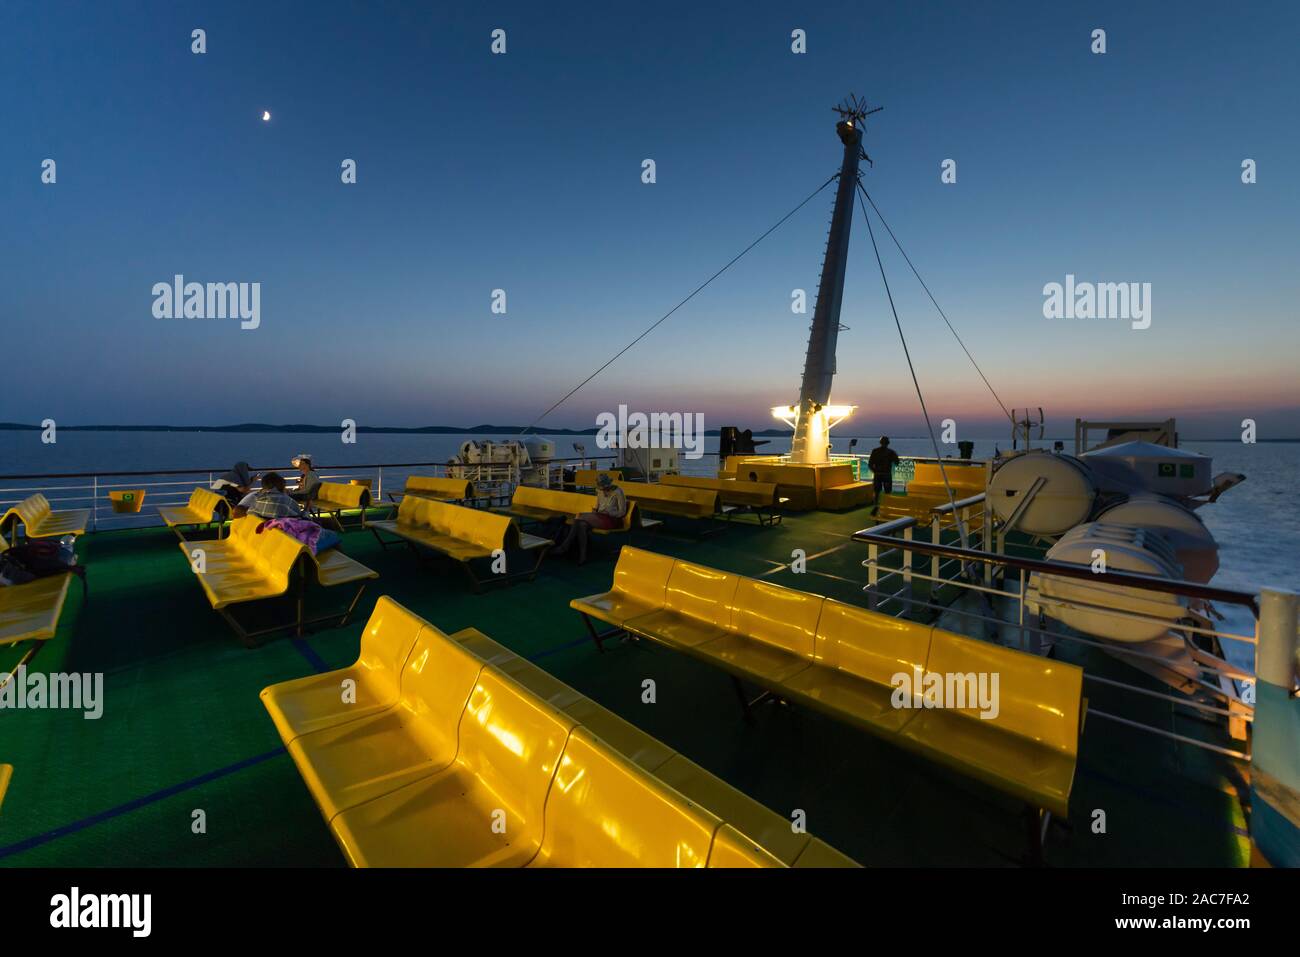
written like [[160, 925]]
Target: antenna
[[853, 113], [1024, 427]]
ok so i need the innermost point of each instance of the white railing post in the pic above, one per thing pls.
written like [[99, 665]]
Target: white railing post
[[907, 572], [1274, 771], [94, 503], [873, 574]]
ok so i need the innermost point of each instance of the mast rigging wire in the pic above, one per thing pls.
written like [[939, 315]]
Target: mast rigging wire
[[771, 229], [996, 398], [952, 500]]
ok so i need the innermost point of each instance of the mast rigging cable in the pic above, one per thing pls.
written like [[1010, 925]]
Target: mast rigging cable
[[771, 229]]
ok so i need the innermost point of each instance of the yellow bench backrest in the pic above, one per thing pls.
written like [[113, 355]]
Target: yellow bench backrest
[[1038, 698], [479, 526], [272, 553], [349, 496], [435, 687], [512, 741], [868, 644], [777, 616], [733, 849], [755, 493], [32, 509], [386, 644], [604, 811], [452, 488], [205, 501], [642, 575], [586, 478], [702, 593], [574, 503], [704, 500], [965, 479]]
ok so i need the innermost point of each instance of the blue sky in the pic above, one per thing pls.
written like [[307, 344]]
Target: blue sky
[[522, 172]]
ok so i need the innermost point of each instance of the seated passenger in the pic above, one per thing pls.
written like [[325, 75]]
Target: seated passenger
[[611, 508], [235, 484], [272, 501], [308, 479]]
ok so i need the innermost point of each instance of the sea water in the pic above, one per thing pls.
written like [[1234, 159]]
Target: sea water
[[1257, 524]]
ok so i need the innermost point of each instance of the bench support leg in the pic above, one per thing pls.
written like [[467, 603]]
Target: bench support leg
[[1037, 821], [600, 637], [746, 703]]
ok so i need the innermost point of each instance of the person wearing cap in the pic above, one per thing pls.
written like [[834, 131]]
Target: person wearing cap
[[308, 479], [611, 508]]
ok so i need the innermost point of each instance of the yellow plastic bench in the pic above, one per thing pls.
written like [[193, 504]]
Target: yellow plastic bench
[[436, 487], [483, 759], [6, 775], [39, 522], [780, 845], [30, 612], [249, 566], [334, 498], [544, 505], [462, 534], [676, 500], [323, 700], [586, 478], [204, 508], [847, 495], [842, 660], [761, 498]]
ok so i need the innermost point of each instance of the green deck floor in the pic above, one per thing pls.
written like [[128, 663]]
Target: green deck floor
[[183, 728]]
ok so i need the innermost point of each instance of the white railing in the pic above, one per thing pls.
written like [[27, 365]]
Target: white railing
[[997, 585]]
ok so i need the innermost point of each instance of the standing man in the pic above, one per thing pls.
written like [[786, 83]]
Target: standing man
[[882, 462]]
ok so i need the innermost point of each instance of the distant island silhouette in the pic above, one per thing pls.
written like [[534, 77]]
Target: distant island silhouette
[[396, 430]]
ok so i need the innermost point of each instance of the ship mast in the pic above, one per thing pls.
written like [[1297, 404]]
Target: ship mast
[[814, 415]]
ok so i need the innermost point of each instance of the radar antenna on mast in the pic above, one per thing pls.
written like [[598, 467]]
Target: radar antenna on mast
[[853, 114]]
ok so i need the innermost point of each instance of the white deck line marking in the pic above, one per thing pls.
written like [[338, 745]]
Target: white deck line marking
[[773, 571]]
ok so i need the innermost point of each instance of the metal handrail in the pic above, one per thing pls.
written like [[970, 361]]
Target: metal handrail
[[872, 536], [265, 468]]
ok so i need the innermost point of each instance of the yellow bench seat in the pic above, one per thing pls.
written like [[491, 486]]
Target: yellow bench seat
[[31, 611], [250, 566], [439, 488], [317, 701], [634, 744], [484, 759], [40, 522], [203, 508], [509, 746], [461, 534], [676, 500], [842, 660]]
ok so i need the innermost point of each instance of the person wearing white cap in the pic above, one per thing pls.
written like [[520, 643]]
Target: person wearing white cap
[[611, 506], [308, 479]]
